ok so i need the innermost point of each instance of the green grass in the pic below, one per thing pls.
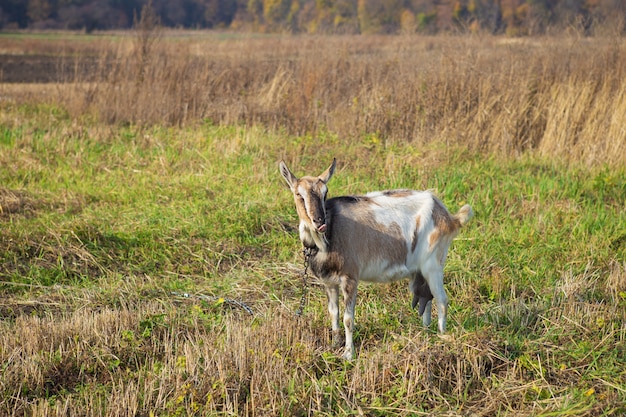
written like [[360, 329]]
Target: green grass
[[106, 222]]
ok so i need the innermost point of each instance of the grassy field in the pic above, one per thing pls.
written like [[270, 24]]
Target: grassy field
[[154, 268]]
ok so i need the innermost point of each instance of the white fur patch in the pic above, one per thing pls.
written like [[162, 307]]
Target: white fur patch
[[402, 210], [303, 192], [381, 271]]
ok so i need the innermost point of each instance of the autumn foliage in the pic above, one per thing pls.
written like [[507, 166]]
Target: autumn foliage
[[514, 17]]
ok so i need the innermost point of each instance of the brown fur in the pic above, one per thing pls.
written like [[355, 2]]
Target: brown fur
[[314, 186], [398, 193], [445, 224], [351, 233]]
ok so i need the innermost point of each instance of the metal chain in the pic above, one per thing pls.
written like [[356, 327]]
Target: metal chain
[[305, 284]]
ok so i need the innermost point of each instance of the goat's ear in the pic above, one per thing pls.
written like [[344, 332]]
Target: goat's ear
[[287, 175], [327, 175]]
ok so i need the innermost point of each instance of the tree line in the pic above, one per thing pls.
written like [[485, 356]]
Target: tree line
[[513, 17]]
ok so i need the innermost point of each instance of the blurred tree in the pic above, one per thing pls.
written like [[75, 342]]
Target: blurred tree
[[573, 14], [379, 16], [365, 18], [515, 17], [408, 23], [538, 15], [219, 13], [345, 16], [426, 22], [172, 13], [38, 10], [255, 7], [292, 16], [13, 13], [460, 13], [275, 11], [127, 7]]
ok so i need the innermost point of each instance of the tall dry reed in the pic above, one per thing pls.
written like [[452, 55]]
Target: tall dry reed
[[563, 97]]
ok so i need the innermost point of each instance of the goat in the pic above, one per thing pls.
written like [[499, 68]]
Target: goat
[[380, 237]]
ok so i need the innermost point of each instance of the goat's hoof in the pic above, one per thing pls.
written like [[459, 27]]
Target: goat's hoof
[[338, 342]]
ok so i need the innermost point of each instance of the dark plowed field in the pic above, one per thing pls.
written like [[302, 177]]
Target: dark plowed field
[[45, 68]]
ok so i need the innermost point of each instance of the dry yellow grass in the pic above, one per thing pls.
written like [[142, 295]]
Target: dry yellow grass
[[561, 97], [176, 356]]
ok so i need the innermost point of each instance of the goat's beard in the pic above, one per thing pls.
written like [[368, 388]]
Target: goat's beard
[[312, 237]]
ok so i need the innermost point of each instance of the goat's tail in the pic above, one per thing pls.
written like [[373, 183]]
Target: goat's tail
[[465, 214]]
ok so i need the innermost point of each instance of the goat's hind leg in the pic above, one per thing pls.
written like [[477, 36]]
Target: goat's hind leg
[[434, 278]]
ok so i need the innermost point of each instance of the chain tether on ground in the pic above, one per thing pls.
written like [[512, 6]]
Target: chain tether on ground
[[228, 301], [213, 299], [305, 285]]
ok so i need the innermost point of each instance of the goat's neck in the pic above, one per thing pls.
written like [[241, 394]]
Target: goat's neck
[[311, 239]]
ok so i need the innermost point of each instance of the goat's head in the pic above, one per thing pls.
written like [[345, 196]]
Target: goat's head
[[309, 194]]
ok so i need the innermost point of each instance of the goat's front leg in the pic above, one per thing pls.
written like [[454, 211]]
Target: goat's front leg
[[349, 289], [332, 291]]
